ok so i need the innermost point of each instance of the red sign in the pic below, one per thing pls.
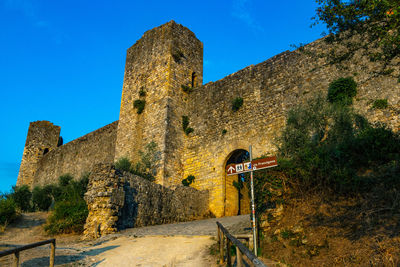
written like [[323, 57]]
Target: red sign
[[254, 165], [264, 163]]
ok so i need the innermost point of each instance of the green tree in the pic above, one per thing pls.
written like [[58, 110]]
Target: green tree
[[377, 21], [22, 197]]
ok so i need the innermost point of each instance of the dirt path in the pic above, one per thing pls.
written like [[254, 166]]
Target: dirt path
[[181, 244]]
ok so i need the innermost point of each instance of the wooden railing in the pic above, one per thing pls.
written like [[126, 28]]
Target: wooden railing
[[240, 249], [17, 250]]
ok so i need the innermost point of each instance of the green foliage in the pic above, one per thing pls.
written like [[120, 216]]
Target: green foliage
[[329, 146], [149, 162], [380, 104], [188, 180], [342, 91], [237, 103], [7, 210], [123, 164], [224, 131], [185, 125], [375, 20], [142, 92], [70, 210], [22, 197], [139, 104], [69, 216], [186, 89], [42, 197]]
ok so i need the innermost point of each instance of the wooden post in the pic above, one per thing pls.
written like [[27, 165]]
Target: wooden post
[[52, 253], [221, 245], [239, 258], [16, 259], [228, 252]]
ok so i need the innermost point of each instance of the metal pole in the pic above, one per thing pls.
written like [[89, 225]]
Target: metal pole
[[253, 210]]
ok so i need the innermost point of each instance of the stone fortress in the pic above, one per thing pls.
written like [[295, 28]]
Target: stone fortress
[[164, 70]]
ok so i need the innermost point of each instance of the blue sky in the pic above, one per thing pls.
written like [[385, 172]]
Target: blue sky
[[63, 61]]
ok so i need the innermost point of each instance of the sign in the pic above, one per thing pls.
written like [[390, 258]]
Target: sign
[[259, 164], [255, 165]]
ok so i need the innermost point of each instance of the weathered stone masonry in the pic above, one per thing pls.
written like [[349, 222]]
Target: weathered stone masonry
[[170, 56]]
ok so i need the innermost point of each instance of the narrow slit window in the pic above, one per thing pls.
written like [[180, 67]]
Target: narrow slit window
[[193, 79]]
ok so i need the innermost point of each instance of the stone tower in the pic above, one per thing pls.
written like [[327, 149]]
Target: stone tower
[[42, 137], [157, 66]]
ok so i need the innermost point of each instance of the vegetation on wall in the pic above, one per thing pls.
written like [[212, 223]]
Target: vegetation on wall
[[186, 89], [146, 167], [139, 104], [237, 103], [185, 125], [342, 91], [188, 180], [224, 131]]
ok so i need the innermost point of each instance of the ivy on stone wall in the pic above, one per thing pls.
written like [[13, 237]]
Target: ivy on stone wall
[[139, 104], [237, 103]]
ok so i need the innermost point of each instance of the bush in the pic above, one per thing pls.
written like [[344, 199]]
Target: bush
[[22, 197], [380, 104], [7, 210], [70, 209], [329, 146], [186, 89], [42, 197], [69, 216], [123, 164], [139, 105], [185, 125], [342, 91], [188, 180], [149, 162], [237, 103]]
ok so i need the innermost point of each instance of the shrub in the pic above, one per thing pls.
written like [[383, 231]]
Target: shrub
[[142, 92], [149, 162], [237, 103], [139, 105], [185, 125], [342, 91], [224, 131], [70, 210], [186, 89], [69, 216], [42, 197], [7, 210], [380, 104], [188, 180], [22, 197], [328, 145], [123, 164]]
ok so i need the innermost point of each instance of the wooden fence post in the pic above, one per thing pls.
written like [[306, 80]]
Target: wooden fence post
[[16, 259], [239, 258], [228, 252], [221, 246], [52, 253]]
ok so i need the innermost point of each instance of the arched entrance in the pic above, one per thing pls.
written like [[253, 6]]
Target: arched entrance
[[236, 199]]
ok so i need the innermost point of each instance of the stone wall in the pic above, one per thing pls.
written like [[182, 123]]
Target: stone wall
[[42, 138], [165, 58], [78, 156], [269, 90], [119, 200]]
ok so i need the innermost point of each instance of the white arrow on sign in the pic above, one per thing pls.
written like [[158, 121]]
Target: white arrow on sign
[[231, 169]]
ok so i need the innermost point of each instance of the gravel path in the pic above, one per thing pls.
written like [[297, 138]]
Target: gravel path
[[179, 244]]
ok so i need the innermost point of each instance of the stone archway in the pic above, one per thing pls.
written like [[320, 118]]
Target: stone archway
[[236, 200]]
